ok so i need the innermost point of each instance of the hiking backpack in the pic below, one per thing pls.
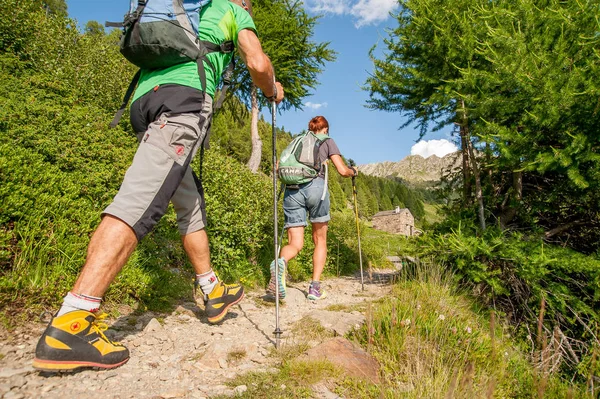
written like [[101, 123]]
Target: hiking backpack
[[162, 33], [299, 162]]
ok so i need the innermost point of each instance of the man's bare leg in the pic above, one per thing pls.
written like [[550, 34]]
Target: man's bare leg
[[218, 297], [108, 251], [197, 249], [73, 339]]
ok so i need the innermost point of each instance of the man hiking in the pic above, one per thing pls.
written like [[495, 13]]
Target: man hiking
[[309, 198], [171, 113]]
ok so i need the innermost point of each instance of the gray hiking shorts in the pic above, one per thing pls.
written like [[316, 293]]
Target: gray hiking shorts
[[161, 172], [307, 198]]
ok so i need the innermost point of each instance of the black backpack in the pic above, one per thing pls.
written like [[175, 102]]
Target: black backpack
[[161, 33]]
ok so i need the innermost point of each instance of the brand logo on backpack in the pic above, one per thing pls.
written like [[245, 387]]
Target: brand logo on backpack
[[299, 162]]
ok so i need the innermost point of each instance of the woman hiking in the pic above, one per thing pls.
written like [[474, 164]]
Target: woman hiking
[[307, 198]]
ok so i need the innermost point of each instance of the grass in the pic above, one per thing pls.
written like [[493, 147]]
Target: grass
[[338, 307], [293, 380], [236, 355], [432, 215], [431, 341]]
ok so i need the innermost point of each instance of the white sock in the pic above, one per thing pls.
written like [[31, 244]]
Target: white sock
[[73, 302], [207, 281]]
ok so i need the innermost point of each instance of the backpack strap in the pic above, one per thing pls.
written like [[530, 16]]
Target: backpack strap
[[225, 47], [126, 98], [227, 76], [130, 18]]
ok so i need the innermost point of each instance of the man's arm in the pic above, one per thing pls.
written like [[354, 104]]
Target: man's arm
[[259, 65], [341, 167]]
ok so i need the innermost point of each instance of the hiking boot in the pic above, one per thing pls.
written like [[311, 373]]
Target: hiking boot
[[315, 292], [281, 279], [222, 297], [76, 340]]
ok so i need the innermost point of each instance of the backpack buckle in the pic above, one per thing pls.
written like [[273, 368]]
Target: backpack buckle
[[227, 47]]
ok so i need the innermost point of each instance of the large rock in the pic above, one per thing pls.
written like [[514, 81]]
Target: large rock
[[338, 322], [350, 357]]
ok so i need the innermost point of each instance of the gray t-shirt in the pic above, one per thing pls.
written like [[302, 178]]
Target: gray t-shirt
[[327, 149]]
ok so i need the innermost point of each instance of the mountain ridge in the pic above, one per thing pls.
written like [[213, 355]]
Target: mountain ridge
[[414, 168]]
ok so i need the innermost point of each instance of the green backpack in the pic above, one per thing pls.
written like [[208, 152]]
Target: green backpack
[[299, 162]]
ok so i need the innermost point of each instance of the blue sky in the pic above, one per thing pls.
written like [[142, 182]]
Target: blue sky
[[352, 27]]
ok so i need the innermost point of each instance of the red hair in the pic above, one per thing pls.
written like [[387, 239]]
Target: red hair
[[318, 123]]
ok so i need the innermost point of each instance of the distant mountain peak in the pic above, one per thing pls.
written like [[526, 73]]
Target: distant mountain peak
[[414, 168]]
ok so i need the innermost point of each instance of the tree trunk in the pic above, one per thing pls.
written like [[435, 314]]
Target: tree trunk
[[564, 227], [466, 169], [256, 155], [478, 190], [509, 213]]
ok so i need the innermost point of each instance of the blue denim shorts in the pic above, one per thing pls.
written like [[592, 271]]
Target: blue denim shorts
[[307, 198]]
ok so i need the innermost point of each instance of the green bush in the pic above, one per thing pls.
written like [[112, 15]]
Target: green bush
[[432, 342], [515, 273]]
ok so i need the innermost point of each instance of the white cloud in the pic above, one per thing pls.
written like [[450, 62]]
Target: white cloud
[[365, 12], [315, 105], [371, 12], [433, 147], [327, 6]]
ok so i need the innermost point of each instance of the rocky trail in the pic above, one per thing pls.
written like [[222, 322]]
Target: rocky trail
[[180, 355]]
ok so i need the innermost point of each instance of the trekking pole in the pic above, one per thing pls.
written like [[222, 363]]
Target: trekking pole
[[362, 283], [277, 331]]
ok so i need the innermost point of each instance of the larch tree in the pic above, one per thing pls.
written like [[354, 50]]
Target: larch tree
[[285, 31], [519, 80]]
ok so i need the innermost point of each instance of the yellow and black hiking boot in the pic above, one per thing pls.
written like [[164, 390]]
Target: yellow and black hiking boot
[[222, 297], [76, 340]]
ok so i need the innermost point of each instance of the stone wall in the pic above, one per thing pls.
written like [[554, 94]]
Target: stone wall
[[397, 222]]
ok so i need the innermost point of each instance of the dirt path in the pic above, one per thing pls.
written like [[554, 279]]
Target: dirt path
[[179, 355]]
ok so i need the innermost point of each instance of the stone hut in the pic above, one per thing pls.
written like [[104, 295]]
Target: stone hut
[[398, 221]]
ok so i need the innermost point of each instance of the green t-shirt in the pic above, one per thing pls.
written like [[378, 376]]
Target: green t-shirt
[[220, 20]]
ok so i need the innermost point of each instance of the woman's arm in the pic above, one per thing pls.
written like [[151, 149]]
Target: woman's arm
[[341, 167]]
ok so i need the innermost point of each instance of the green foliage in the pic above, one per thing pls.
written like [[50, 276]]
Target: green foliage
[[374, 194], [298, 63], [94, 28], [240, 217], [520, 79], [515, 273], [58, 7], [432, 342]]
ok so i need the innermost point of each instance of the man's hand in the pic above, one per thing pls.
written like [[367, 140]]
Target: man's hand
[[280, 93], [278, 96]]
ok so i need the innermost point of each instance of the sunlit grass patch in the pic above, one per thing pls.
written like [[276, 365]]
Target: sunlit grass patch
[[293, 380], [236, 355], [338, 307], [430, 343], [308, 328]]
